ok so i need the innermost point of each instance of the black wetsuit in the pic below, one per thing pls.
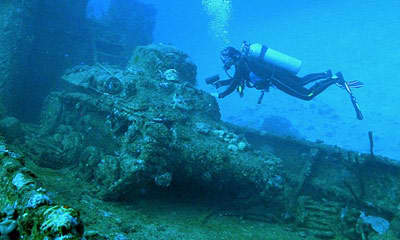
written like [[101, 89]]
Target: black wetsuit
[[240, 77], [289, 83], [295, 86]]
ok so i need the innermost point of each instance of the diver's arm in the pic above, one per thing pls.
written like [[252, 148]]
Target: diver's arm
[[239, 80], [222, 83], [230, 89], [235, 81], [212, 79]]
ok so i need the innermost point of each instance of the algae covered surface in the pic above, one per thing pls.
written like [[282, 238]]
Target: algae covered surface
[[166, 217]]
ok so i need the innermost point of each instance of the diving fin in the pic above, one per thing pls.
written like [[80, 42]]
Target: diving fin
[[356, 108], [353, 101], [347, 86], [352, 84]]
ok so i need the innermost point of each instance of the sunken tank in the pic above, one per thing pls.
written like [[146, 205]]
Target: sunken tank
[[145, 131]]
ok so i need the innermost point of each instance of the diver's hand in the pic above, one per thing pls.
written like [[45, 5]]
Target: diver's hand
[[212, 79]]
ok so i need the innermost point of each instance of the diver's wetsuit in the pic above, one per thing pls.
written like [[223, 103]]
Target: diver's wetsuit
[[290, 84], [294, 85], [240, 77], [252, 71]]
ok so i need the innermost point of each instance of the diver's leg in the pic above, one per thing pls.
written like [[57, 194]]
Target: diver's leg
[[319, 87], [315, 77], [294, 90], [302, 92]]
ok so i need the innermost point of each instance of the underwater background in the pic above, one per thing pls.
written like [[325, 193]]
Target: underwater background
[[358, 38]]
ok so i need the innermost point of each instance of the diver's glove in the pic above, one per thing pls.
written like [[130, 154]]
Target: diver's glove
[[212, 79]]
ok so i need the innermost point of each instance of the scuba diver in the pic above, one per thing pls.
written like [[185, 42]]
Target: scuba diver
[[260, 67]]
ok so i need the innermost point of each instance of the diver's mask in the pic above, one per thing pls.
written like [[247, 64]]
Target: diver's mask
[[229, 57]]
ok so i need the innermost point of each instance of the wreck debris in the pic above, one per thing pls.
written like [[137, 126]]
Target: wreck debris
[[33, 215], [371, 143], [171, 75], [143, 138]]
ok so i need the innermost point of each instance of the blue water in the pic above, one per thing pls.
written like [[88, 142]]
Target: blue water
[[359, 38]]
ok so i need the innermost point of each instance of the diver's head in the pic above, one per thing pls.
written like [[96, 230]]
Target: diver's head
[[229, 57]]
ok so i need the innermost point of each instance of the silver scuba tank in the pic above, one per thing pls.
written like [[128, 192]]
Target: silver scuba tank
[[275, 58]]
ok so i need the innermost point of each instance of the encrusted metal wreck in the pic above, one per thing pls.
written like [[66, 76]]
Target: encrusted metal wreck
[[147, 128]]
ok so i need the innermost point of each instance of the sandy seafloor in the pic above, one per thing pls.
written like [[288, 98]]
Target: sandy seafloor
[[157, 218]]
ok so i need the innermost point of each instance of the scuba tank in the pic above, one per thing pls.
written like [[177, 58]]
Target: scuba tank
[[274, 58]]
